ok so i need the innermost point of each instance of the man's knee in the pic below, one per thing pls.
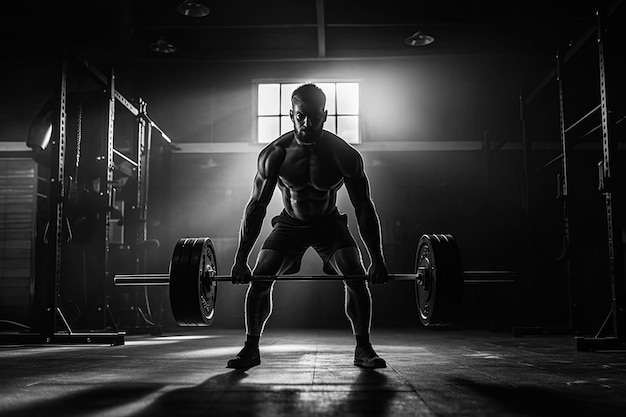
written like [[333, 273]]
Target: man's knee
[[357, 287], [260, 288]]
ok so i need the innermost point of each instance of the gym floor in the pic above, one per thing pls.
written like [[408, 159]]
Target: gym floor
[[429, 373]]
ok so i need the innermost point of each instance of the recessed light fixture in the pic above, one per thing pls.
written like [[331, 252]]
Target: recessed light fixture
[[419, 39], [193, 8], [162, 46]]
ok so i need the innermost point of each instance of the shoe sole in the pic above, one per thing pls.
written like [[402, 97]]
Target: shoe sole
[[242, 366], [372, 365]]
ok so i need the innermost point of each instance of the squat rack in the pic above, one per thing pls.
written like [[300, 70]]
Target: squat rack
[[52, 326], [608, 185]]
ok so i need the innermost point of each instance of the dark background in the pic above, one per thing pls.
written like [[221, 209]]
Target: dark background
[[441, 130]]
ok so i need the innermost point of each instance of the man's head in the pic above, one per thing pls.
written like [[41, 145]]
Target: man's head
[[307, 113]]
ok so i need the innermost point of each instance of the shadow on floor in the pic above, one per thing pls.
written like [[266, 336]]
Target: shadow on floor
[[86, 402], [223, 395], [370, 393], [543, 401]]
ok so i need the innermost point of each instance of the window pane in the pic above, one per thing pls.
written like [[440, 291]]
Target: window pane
[[347, 98], [348, 128], [331, 124], [267, 129], [268, 99], [329, 90], [285, 97], [274, 104], [286, 124]]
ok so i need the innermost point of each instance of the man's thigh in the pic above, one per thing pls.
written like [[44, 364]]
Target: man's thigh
[[347, 261], [273, 262]]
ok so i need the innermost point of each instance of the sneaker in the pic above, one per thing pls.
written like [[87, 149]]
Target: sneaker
[[365, 357], [247, 357]]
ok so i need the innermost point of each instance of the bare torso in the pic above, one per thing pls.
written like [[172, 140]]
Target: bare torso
[[310, 175]]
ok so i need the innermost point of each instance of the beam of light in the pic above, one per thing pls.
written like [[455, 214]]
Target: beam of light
[[164, 340], [483, 355], [149, 342], [207, 353], [191, 337]]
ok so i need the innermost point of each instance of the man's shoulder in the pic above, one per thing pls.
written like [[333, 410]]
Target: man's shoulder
[[340, 146], [347, 156], [280, 143], [273, 154]]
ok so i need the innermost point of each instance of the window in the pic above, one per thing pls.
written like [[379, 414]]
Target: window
[[274, 103]]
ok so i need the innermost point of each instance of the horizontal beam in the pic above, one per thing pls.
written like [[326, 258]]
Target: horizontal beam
[[406, 146]]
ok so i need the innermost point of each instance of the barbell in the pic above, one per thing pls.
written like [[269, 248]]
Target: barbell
[[438, 277]]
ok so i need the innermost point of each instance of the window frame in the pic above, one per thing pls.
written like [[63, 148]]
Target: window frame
[[255, 104]]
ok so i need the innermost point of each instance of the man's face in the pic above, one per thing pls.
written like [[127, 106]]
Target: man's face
[[308, 121]]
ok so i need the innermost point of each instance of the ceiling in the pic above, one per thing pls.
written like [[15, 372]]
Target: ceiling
[[248, 30]]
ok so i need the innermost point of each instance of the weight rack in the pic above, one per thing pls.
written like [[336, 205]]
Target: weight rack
[[608, 185], [52, 326]]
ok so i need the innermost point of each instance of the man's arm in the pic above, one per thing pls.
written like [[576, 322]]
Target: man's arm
[[358, 189], [262, 190]]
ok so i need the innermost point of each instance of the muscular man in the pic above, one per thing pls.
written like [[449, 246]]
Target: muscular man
[[309, 165]]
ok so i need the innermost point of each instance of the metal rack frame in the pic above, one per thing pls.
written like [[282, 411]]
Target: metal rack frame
[[608, 179], [53, 327]]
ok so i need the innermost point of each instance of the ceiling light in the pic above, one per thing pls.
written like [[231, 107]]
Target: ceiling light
[[419, 39], [192, 8], [162, 46]]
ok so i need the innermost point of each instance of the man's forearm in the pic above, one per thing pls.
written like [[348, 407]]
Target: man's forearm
[[249, 231], [369, 227]]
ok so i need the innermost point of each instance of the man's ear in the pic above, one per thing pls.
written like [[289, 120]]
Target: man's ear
[[325, 115], [291, 115]]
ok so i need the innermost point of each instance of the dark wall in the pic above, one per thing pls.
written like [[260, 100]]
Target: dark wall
[[470, 194], [475, 195], [419, 98]]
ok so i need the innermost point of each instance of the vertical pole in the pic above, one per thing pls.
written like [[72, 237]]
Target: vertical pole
[[526, 150], [141, 234], [612, 188], [108, 197], [57, 198], [144, 163], [136, 207], [563, 194]]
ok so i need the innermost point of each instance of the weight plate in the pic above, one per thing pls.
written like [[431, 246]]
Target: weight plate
[[179, 288], [450, 296], [203, 311], [424, 290], [193, 292], [438, 290]]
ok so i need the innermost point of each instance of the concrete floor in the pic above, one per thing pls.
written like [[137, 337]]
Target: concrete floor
[[310, 373]]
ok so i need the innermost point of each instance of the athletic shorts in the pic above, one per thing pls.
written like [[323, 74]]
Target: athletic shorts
[[292, 237]]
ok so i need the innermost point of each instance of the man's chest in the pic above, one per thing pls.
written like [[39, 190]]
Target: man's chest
[[309, 167]]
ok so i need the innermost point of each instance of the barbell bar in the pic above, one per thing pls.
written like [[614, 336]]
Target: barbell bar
[[438, 277], [163, 280]]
